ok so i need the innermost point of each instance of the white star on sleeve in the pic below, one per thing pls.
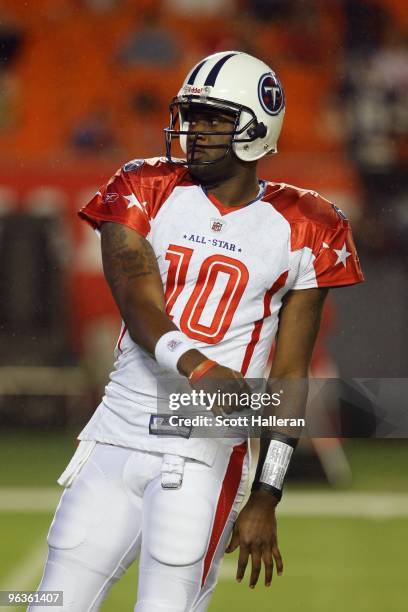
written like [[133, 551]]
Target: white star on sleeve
[[133, 201], [342, 255]]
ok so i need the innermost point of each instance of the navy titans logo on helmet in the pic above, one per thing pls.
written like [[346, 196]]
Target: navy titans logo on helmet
[[271, 94]]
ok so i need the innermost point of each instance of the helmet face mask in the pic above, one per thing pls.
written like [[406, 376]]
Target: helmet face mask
[[235, 84], [179, 124]]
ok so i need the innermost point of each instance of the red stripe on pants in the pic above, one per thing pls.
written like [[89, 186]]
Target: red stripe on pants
[[226, 499]]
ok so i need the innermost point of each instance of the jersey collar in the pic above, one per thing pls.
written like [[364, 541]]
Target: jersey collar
[[225, 210]]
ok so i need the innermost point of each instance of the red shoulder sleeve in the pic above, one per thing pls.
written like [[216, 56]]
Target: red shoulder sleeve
[[322, 244], [134, 195], [334, 261]]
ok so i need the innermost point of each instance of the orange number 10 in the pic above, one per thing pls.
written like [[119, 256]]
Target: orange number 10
[[179, 258]]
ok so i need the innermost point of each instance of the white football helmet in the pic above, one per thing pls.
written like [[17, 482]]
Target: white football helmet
[[237, 83]]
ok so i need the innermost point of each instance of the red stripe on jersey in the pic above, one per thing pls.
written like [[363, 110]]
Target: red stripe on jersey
[[256, 332], [226, 499], [123, 332]]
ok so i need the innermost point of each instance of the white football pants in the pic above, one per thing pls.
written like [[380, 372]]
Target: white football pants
[[117, 508]]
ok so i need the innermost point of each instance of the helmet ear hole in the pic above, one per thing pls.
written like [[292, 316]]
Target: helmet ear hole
[[262, 130], [258, 131]]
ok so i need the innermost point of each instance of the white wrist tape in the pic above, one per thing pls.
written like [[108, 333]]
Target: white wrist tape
[[170, 347], [276, 463]]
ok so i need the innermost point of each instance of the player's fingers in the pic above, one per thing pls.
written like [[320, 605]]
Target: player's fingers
[[268, 562], [217, 411], [278, 560], [227, 409], [242, 562], [232, 390], [256, 566], [243, 391], [234, 542], [241, 383]]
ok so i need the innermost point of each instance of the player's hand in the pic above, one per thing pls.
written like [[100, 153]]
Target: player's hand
[[255, 532], [224, 380]]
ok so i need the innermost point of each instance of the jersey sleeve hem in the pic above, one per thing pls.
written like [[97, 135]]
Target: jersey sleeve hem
[[93, 219], [345, 282]]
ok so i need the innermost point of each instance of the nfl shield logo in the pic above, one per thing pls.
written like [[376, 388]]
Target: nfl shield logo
[[173, 344], [216, 225]]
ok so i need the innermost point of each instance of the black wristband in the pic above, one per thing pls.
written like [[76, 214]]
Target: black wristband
[[262, 486], [280, 437], [284, 442]]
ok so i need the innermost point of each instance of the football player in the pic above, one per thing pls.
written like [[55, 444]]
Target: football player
[[206, 263]]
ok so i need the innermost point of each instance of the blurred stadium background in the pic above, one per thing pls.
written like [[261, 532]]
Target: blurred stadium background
[[84, 87]]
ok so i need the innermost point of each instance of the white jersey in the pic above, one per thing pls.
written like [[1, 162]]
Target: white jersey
[[225, 271]]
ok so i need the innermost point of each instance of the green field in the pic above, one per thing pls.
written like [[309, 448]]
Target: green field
[[332, 562]]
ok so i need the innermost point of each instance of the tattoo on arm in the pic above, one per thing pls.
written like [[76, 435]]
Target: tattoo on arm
[[123, 262]]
